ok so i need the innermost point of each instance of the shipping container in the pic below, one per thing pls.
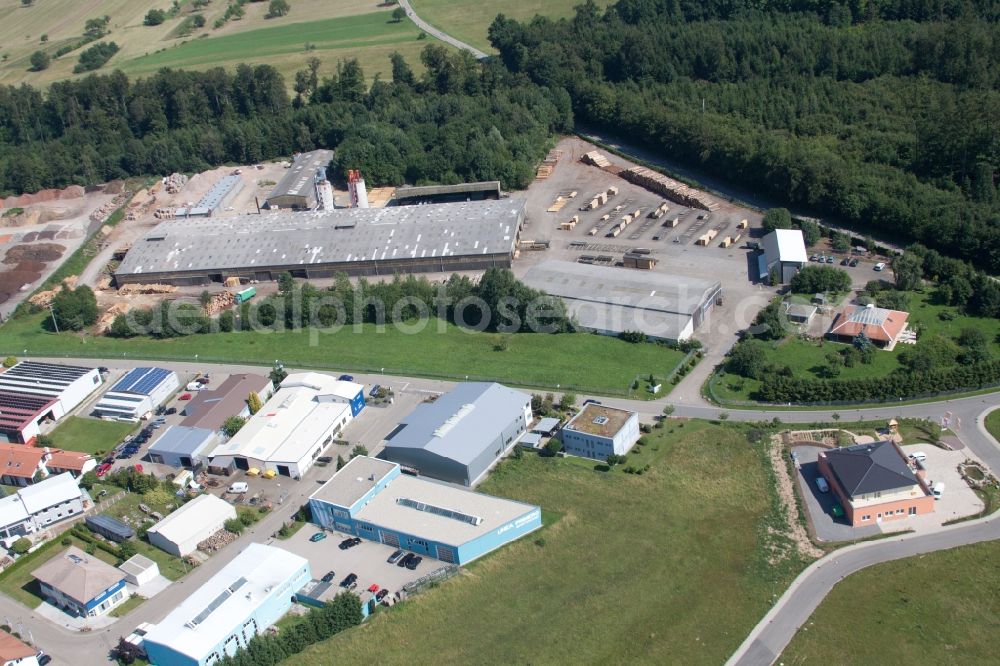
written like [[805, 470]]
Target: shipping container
[[246, 294]]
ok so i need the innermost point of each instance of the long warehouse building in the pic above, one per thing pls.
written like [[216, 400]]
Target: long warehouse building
[[614, 300], [357, 241]]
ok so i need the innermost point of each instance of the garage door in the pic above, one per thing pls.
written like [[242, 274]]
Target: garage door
[[389, 539]]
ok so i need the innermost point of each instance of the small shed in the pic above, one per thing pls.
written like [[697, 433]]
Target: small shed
[[531, 440], [109, 528], [798, 313], [547, 426], [819, 299], [139, 570]]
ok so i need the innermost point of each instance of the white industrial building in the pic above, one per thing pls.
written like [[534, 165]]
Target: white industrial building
[[599, 431], [32, 391], [246, 597], [180, 533], [140, 391], [139, 570], [294, 427], [784, 252], [36, 507]]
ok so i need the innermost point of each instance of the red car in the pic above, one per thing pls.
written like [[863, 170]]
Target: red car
[[138, 468], [102, 469], [184, 396], [373, 588]]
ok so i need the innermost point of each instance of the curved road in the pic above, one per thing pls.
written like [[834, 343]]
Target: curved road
[[434, 32], [764, 644]]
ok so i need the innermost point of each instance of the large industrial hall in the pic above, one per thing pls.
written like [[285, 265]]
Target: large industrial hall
[[357, 241]]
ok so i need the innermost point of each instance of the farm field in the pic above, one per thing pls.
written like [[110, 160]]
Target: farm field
[[806, 358], [666, 551], [469, 20], [62, 22], [577, 361], [92, 436], [942, 603]]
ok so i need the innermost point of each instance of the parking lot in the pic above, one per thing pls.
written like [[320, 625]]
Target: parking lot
[[958, 500], [367, 560]]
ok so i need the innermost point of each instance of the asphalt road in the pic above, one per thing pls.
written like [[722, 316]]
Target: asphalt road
[[765, 642], [434, 32]]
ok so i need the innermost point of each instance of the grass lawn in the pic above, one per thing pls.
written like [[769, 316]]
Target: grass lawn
[[668, 567], [936, 608], [93, 436], [130, 605], [293, 528], [469, 20], [17, 581], [993, 423], [581, 362], [806, 358]]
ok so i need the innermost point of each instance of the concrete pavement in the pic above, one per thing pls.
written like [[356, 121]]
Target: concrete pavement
[[434, 32]]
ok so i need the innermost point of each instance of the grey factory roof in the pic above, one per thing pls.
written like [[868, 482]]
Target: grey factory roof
[[617, 299], [218, 193], [870, 468], [182, 440], [461, 422], [302, 174], [321, 237], [353, 480], [437, 190], [210, 409]]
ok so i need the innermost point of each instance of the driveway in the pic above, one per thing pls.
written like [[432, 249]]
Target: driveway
[[818, 505]]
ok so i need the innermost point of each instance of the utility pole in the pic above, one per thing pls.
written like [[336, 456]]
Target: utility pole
[[53, 312]]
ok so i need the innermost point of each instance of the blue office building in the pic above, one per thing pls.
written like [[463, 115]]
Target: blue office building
[[370, 498], [246, 597]]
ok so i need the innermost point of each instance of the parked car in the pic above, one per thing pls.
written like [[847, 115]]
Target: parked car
[[319, 536], [328, 577], [242, 487], [829, 259], [184, 396], [918, 456], [345, 544], [346, 378], [43, 658], [822, 485], [414, 562], [813, 257], [374, 391], [350, 581], [880, 266], [171, 411], [102, 469], [854, 262], [937, 490], [326, 460], [845, 261], [137, 467], [406, 560], [396, 557], [103, 370], [381, 594]]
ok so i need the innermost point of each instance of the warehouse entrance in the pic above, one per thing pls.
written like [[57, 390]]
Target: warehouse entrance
[[283, 470], [241, 463]]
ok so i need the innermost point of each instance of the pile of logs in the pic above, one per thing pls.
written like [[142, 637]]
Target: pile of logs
[[217, 541]]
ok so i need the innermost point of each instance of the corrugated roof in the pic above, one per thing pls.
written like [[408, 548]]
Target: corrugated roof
[[183, 440], [785, 245], [198, 516], [438, 190], [210, 409], [302, 174], [870, 468], [460, 423]]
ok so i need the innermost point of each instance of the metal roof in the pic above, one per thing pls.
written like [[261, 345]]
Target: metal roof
[[460, 423], [870, 468], [141, 381], [109, 524], [199, 517], [289, 239], [548, 424], [438, 190], [49, 492], [785, 245], [215, 196], [210, 409], [38, 373], [302, 174], [183, 440]]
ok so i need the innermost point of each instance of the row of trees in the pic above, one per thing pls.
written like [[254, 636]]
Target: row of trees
[[783, 101]]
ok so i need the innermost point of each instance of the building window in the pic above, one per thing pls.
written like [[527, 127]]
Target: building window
[[866, 517], [913, 511]]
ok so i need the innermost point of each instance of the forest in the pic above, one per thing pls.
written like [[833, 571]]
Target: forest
[[882, 115], [457, 122]]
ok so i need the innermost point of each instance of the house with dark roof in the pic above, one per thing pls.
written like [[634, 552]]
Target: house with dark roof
[[875, 482]]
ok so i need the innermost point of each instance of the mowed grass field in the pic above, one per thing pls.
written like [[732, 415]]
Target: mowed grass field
[[469, 20], [368, 37], [807, 358], [92, 436], [940, 608], [578, 361], [664, 568], [21, 29]]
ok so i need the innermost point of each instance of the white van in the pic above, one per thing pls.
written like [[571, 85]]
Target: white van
[[937, 490], [239, 487], [880, 266], [918, 456]]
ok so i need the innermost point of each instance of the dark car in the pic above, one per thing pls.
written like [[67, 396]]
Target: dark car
[[374, 391], [170, 411], [43, 659], [395, 557], [350, 542], [350, 582], [845, 261], [326, 460], [854, 262], [103, 370], [406, 560], [381, 594], [328, 577], [346, 378], [414, 562]]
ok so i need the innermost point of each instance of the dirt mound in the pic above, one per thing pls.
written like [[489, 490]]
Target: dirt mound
[[24, 273], [114, 187], [42, 252], [23, 200]]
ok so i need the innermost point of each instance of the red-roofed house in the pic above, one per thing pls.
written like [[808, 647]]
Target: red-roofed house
[[22, 465], [74, 462], [14, 652], [883, 327]]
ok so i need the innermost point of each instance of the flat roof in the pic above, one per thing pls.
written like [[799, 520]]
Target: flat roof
[[599, 420], [203, 511], [302, 174], [78, 575], [210, 409], [141, 381], [290, 239], [437, 190], [182, 439], [223, 602], [137, 564], [546, 424], [218, 192], [356, 478], [460, 423], [386, 510], [289, 424], [39, 375]]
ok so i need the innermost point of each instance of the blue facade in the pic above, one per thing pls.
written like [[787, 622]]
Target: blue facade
[[358, 403], [100, 598]]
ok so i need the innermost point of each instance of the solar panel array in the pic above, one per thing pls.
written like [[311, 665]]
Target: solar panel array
[[218, 601], [141, 381]]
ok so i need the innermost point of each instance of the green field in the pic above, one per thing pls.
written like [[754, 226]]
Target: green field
[[469, 20], [17, 581], [370, 37], [993, 423], [670, 567], [940, 608], [806, 357], [578, 361], [92, 436]]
